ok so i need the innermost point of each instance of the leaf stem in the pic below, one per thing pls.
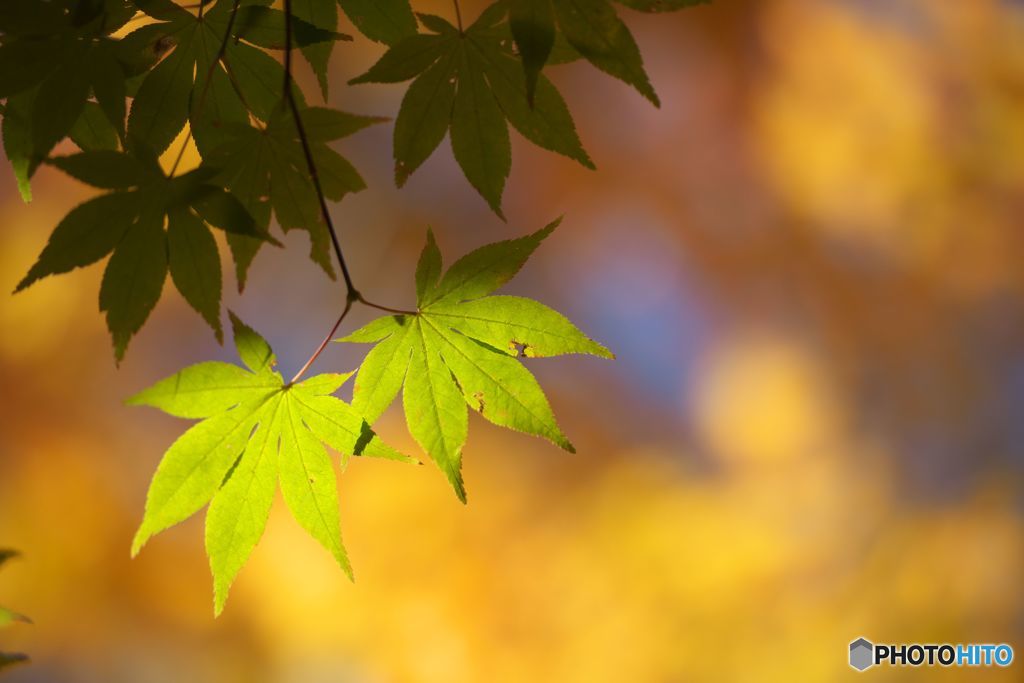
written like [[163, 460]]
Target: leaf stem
[[458, 14], [323, 344], [399, 311]]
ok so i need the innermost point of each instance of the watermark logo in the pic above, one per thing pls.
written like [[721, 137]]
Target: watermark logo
[[861, 654], [864, 654]]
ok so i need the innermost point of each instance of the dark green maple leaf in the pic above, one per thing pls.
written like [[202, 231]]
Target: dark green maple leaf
[[533, 26], [264, 165], [385, 21], [596, 31], [593, 30], [152, 225], [257, 433], [313, 31], [53, 57], [460, 349], [92, 131], [469, 84], [205, 79], [266, 169], [210, 72]]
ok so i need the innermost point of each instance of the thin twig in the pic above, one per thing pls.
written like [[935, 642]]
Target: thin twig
[[458, 14], [351, 293], [323, 344]]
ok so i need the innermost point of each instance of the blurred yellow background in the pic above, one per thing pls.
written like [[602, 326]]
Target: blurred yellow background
[[809, 262]]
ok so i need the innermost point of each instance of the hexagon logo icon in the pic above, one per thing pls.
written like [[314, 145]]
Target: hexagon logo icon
[[861, 654]]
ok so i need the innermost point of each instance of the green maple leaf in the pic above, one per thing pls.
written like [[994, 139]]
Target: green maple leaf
[[266, 169], [469, 84], [460, 349], [129, 223], [256, 433]]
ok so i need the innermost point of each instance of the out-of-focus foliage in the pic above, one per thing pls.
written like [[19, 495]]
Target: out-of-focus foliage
[[908, 144], [8, 617]]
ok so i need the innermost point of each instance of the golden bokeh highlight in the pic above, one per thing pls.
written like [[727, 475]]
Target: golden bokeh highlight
[[763, 401]]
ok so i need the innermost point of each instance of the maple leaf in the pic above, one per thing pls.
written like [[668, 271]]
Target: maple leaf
[[595, 30], [532, 23], [208, 79], [264, 165], [129, 223], [55, 56], [592, 29], [266, 168], [459, 352], [256, 433], [313, 31], [469, 83], [385, 21]]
